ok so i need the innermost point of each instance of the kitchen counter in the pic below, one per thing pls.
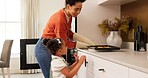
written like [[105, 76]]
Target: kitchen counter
[[125, 57]]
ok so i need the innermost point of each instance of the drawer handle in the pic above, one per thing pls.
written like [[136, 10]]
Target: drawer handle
[[101, 70], [85, 62]]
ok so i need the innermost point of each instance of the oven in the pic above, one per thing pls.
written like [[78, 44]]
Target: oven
[[27, 57], [69, 57]]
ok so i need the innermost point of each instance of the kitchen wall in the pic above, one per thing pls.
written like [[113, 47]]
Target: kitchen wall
[[138, 11], [91, 15], [46, 9]]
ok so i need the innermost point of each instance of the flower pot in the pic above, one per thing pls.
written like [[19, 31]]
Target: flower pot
[[114, 39]]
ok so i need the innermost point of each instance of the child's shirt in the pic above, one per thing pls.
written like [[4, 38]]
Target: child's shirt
[[57, 64]]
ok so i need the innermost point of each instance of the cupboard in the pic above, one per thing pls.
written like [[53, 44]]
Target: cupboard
[[114, 2], [96, 67]]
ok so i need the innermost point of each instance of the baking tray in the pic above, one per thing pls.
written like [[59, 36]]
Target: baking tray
[[103, 47]]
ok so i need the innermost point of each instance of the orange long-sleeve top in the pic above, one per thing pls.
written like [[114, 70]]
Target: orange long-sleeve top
[[58, 27]]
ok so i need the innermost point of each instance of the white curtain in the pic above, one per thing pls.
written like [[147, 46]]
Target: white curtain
[[30, 18], [30, 27]]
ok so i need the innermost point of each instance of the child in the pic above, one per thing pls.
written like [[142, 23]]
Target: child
[[59, 67]]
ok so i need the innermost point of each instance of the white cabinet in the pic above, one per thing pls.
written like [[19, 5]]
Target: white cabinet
[[114, 2], [86, 70], [137, 74], [82, 70], [107, 69], [113, 65], [95, 67]]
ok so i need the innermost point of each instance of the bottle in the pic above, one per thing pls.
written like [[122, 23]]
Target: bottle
[[136, 41], [136, 45]]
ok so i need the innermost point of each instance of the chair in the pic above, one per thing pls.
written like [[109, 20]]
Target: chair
[[5, 57]]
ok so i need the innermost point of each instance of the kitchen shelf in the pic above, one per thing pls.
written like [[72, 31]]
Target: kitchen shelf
[[114, 2]]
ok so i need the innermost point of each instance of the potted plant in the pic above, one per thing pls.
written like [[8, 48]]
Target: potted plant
[[113, 26]]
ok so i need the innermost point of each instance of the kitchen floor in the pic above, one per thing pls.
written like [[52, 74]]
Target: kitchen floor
[[37, 75]]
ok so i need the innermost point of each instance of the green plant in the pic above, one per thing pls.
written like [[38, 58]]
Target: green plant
[[115, 25]]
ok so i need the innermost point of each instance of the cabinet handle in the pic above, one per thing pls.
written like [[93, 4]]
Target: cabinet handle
[[85, 62], [101, 70]]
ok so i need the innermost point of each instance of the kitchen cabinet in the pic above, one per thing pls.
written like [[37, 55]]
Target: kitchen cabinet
[[137, 74], [114, 2], [82, 70], [86, 69], [124, 63], [95, 67]]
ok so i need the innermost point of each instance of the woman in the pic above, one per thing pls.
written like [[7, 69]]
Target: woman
[[58, 26]]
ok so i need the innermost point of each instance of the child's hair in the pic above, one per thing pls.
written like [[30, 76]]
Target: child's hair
[[53, 44], [73, 2]]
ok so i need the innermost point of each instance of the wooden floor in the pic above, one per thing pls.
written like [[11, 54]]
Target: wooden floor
[[36, 75]]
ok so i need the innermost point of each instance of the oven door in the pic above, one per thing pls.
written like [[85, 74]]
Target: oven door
[[27, 56], [69, 57]]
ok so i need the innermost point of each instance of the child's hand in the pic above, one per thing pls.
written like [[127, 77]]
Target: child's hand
[[76, 57], [82, 59]]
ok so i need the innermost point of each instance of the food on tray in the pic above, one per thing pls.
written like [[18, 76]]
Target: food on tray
[[104, 46]]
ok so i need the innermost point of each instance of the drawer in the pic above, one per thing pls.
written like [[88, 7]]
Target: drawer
[[106, 69]]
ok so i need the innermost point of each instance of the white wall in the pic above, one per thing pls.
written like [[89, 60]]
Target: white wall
[[91, 15], [46, 9]]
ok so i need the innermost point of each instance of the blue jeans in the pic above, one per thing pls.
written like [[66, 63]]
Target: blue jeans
[[43, 57]]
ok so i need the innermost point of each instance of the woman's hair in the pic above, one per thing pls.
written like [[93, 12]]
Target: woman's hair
[[73, 2], [53, 44]]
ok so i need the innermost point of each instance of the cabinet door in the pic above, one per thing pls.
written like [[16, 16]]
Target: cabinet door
[[82, 70], [137, 74], [107, 69], [86, 70]]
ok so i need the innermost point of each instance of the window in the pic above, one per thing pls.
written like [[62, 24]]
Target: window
[[10, 23]]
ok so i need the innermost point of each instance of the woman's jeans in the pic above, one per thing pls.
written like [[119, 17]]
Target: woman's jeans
[[43, 57]]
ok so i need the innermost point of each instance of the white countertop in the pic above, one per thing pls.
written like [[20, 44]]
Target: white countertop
[[125, 57]]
